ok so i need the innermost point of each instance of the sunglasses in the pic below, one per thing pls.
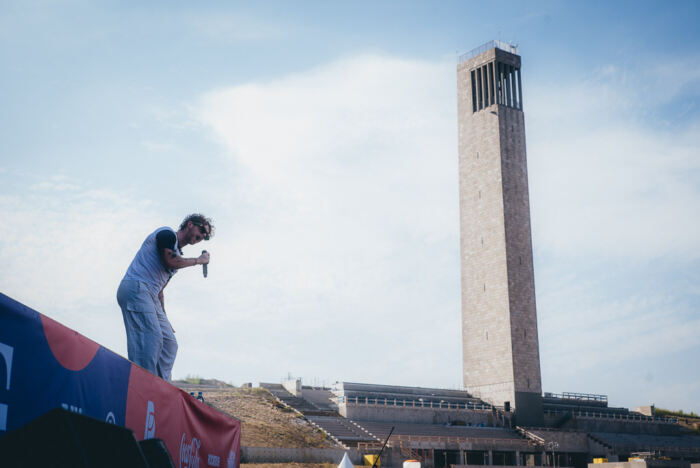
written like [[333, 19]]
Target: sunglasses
[[202, 229]]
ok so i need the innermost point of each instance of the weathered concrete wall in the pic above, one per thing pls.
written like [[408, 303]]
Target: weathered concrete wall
[[293, 386], [592, 424], [413, 415], [645, 410], [297, 455], [568, 441]]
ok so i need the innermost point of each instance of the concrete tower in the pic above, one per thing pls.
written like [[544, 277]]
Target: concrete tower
[[501, 362]]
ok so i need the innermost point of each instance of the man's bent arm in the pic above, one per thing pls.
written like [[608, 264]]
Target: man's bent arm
[[174, 262]]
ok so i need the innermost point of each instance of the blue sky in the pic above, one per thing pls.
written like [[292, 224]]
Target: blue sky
[[321, 137]]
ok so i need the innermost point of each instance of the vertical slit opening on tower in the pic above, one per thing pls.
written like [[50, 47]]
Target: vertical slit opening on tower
[[511, 84], [520, 91], [489, 70], [485, 89], [509, 103], [492, 80], [486, 85], [480, 92], [489, 78], [503, 84], [473, 75], [499, 92], [515, 89]]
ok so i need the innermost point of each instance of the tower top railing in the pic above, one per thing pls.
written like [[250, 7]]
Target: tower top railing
[[511, 48], [578, 396]]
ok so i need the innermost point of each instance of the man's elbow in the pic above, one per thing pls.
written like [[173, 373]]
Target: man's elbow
[[170, 263]]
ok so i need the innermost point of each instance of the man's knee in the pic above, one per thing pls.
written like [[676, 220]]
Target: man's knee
[[144, 342]]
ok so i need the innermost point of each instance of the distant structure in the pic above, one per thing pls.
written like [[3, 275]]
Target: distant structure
[[501, 362]]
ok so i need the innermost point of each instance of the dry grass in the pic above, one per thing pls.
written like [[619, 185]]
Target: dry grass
[[265, 423]]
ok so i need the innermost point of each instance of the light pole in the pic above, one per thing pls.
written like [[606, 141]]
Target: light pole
[[553, 446]]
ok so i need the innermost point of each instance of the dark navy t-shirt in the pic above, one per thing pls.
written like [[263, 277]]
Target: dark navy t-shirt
[[165, 239]]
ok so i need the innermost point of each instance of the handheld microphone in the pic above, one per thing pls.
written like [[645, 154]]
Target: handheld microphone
[[204, 266]]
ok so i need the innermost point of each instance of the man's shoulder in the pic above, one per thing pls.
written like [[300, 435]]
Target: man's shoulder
[[164, 228], [165, 238]]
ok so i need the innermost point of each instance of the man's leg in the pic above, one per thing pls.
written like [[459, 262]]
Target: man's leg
[[144, 338], [168, 352]]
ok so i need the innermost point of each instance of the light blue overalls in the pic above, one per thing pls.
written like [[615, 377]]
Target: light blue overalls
[[150, 339]]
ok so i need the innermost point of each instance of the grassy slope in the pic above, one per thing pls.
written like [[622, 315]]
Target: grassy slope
[[265, 423]]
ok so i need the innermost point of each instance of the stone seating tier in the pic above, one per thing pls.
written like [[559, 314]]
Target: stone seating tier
[[650, 442]]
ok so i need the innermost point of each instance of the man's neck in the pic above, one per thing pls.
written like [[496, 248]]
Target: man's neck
[[180, 238]]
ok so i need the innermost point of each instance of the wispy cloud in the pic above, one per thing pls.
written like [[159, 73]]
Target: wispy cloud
[[231, 27], [351, 170], [605, 182], [587, 337], [614, 185], [158, 146]]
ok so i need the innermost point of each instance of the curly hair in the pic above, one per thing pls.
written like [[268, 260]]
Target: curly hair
[[200, 220]]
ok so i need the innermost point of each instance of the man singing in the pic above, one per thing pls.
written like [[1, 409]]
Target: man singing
[[150, 339]]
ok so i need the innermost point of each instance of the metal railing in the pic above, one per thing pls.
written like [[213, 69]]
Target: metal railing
[[628, 447], [614, 416], [403, 403], [530, 435], [578, 396], [460, 439], [511, 48]]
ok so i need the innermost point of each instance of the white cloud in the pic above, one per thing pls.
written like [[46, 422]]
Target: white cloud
[[614, 185], [348, 161], [350, 171], [605, 182], [591, 336]]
